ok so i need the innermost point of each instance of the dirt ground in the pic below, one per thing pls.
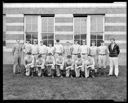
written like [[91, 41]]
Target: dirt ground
[[19, 87]]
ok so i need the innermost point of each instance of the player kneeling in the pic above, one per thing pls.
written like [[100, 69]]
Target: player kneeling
[[50, 65], [59, 65], [39, 65], [28, 63], [69, 66], [89, 67], [79, 65]]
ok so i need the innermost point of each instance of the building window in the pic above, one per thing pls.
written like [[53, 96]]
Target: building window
[[80, 29], [96, 28], [31, 29], [4, 30], [47, 30]]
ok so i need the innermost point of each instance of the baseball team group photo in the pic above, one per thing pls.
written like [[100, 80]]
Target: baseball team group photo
[[65, 51]]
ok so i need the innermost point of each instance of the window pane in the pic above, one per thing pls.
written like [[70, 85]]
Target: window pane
[[77, 25], [50, 24], [83, 36], [93, 36], [96, 23], [44, 24], [83, 25], [28, 36], [51, 41], [44, 35], [99, 37], [32, 23], [50, 36], [45, 42], [77, 36]]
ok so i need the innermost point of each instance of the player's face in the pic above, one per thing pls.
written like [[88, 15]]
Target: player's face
[[83, 43], [41, 43], [102, 44], [93, 44], [112, 41]]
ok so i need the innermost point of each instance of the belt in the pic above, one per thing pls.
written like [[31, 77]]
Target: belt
[[84, 53], [43, 54], [34, 54], [74, 54], [102, 54]]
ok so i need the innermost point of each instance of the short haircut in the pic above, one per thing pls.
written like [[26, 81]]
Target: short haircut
[[69, 56], [79, 56], [112, 39], [39, 56], [102, 41], [57, 40]]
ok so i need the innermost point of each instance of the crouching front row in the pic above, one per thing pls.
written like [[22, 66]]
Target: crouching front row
[[59, 67]]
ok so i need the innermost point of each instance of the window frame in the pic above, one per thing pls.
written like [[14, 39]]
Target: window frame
[[4, 32]]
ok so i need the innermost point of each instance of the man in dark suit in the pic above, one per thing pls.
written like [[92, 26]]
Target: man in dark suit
[[114, 51]]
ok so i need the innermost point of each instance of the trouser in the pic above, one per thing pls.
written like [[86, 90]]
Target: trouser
[[58, 70], [77, 71], [102, 61], [67, 72], [87, 70], [28, 70], [96, 60], [113, 62], [84, 56], [17, 61]]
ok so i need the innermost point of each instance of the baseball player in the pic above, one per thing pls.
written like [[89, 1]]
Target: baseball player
[[26, 47], [67, 49], [50, 49], [89, 64], [59, 65], [28, 63], [75, 50], [39, 65], [114, 51], [50, 65], [58, 48], [84, 50], [69, 66], [17, 52], [42, 50], [102, 57], [93, 52], [79, 65], [35, 49]]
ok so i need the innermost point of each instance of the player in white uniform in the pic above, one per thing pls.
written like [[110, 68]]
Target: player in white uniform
[[28, 63], [75, 50], [93, 52], [59, 65], [84, 50], [89, 64], [102, 57], [50, 65], [50, 49], [58, 48], [69, 63], [35, 49], [42, 50], [26, 48], [67, 49], [39, 65], [79, 66]]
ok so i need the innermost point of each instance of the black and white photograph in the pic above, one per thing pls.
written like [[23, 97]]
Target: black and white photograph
[[65, 51]]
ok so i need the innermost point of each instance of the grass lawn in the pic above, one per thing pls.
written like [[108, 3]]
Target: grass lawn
[[28, 88]]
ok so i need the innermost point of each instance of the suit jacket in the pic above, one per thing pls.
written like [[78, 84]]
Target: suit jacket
[[115, 51]]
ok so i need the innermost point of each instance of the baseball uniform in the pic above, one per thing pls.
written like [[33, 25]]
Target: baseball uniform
[[102, 56], [34, 50], [43, 51], [84, 49], [17, 52]]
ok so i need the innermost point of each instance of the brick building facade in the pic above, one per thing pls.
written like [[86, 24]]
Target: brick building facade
[[67, 22]]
